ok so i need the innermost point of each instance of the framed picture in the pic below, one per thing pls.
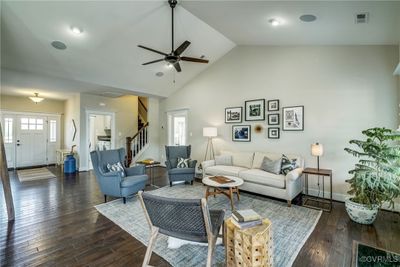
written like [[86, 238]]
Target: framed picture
[[273, 133], [233, 114], [293, 118], [255, 110], [273, 105], [273, 119], [241, 133]]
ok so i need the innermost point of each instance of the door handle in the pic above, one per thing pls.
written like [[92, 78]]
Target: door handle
[[18, 144]]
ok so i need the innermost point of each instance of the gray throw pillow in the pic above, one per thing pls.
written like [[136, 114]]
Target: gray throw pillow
[[272, 166], [225, 160]]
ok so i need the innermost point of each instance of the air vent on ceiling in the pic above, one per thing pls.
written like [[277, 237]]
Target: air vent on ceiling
[[362, 18]]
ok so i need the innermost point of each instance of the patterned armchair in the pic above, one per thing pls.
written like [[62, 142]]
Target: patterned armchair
[[113, 183], [179, 174]]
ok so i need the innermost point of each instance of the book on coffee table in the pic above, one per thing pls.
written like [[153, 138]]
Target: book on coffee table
[[245, 215], [221, 179], [246, 225]]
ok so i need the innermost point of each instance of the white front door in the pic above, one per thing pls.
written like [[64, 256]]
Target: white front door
[[31, 135]]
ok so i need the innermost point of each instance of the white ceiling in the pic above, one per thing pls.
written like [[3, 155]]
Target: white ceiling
[[106, 54], [106, 57], [246, 22]]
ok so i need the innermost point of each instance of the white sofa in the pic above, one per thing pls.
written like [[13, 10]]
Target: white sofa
[[246, 165]]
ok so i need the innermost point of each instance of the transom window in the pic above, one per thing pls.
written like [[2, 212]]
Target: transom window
[[31, 124], [8, 130]]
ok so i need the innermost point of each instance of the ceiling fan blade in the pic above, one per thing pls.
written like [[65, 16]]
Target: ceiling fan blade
[[152, 50], [177, 67], [154, 61], [192, 59], [181, 48]]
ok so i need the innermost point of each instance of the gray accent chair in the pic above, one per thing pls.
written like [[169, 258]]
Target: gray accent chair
[[112, 183], [188, 219], [179, 174]]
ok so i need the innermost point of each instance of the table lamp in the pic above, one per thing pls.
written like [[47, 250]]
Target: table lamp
[[317, 150], [210, 132]]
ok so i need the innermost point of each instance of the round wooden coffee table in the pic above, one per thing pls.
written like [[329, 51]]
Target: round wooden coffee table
[[226, 189]]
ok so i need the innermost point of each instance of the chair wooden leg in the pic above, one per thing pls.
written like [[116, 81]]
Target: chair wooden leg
[[191, 182], [170, 184], [152, 241], [289, 203], [105, 198], [124, 199], [210, 254]]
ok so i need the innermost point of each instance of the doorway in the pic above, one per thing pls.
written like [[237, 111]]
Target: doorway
[[178, 127], [100, 132], [30, 139]]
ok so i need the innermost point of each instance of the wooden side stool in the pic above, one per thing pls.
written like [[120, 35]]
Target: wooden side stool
[[250, 247]]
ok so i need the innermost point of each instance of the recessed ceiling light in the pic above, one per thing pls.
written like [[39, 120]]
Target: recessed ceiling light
[[169, 65], [76, 30], [274, 22], [308, 18], [58, 45], [159, 74]]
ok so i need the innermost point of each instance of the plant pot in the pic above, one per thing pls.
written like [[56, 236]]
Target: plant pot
[[361, 213]]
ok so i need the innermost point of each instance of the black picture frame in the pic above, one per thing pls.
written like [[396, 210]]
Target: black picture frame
[[254, 110], [241, 133], [274, 133], [273, 105], [273, 119], [293, 118], [229, 115]]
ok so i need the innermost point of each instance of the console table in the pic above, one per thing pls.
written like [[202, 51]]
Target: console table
[[325, 173]]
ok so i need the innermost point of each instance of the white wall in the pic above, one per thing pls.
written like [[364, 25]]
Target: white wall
[[126, 119], [72, 112], [344, 89]]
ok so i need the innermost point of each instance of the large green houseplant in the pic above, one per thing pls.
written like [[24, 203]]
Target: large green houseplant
[[376, 177]]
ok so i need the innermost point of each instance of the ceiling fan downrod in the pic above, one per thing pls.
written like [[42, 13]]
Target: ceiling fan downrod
[[172, 4]]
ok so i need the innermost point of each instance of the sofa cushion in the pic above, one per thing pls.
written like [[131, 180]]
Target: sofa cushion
[[225, 160], [263, 178], [224, 170], [272, 166], [240, 159]]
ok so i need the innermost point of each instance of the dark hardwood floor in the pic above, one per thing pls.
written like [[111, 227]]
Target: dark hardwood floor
[[57, 225]]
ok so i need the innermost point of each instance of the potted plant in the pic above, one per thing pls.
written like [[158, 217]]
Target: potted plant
[[376, 177]]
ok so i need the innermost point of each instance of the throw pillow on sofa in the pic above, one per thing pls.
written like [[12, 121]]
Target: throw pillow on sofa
[[183, 163], [272, 166], [116, 167], [288, 165], [225, 160]]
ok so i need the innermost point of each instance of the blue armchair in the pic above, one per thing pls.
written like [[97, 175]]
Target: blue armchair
[[179, 174], [113, 183]]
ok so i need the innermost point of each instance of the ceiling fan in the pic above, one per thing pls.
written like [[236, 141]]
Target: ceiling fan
[[175, 56]]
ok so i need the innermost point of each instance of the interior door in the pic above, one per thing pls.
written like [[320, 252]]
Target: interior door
[[31, 141]]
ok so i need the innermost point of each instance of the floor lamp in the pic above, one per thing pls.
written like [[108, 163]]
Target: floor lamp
[[209, 132], [317, 150]]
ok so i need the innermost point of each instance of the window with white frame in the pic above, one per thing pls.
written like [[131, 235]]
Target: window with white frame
[[8, 130], [53, 131], [32, 124]]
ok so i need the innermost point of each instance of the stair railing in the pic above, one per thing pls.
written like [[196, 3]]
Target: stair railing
[[136, 143]]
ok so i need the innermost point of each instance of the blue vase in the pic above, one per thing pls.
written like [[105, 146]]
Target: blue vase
[[70, 164]]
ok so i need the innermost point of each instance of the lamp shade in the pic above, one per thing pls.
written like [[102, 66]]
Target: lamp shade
[[317, 149], [210, 132]]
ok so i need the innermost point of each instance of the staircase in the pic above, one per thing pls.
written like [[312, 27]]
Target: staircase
[[137, 144]]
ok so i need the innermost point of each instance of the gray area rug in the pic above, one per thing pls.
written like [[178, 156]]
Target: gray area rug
[[34, 174], [291, 227]]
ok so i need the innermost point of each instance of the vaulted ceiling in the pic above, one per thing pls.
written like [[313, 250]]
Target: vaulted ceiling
[[105, 57]]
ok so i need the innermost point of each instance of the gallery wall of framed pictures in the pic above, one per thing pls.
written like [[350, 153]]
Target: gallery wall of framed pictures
[[292, 118]]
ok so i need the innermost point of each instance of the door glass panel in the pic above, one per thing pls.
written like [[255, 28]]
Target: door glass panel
[[8, 130], [32, 126], [53, 131], [179, 131]]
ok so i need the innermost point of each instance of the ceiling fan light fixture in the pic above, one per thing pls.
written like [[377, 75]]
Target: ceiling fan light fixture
[[36, 98], [76, 30]]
